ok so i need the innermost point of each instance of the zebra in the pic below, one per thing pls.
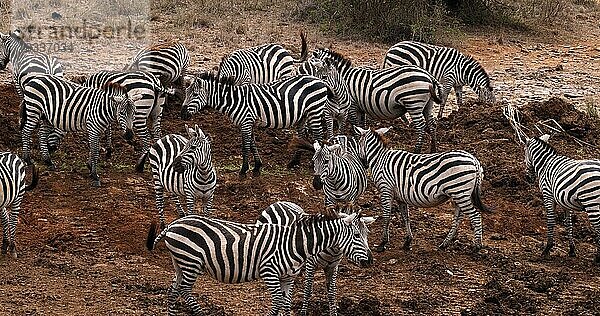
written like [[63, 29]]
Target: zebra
[[26, 62], [261, 64], [423, 180], [339, 172], [168, 62], [280, 104], [448, 65], [572, 184], [51, 101], [184, 168], [387, 94], [339, 108], [286, 213], [235, 253], [12, 187]]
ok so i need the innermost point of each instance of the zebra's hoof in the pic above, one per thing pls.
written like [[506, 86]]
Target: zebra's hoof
[[256, 173], [597, 259], [51, 167], [243, 176], [571, 251], [96, 183], [380, 248], [108, 154]]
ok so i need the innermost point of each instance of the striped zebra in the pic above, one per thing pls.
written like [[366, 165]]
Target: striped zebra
[[451, 67], [388, 94], [423, 180], [280, 104], [337, 110], [286, 213], [339, 172], [53, 102], [184, 168], [234, 253], [12, 187], [168, 62], [26, 62], [569, 183], [261, 64]]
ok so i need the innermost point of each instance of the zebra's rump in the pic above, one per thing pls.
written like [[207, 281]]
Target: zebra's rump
[[577, 184], [263, 64], [229, 252], [12, 178]]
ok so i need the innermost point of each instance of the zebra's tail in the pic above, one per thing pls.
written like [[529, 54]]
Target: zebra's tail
[[476, 194], [152, 239], [436, 92], [139, 166], [298, 143], [35, 177], [304, 49], [23, 115], [162, 89]]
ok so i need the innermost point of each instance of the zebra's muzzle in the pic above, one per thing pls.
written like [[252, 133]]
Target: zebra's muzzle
[[128, 134], [317, 183], [185, 114], [366, 263]]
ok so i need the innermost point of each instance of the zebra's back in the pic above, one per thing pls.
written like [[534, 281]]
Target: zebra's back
[[162, 155], [168, 62], [574, 184], [258, 65]]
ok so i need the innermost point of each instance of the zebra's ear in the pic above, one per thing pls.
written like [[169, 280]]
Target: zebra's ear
[[368, 220], [545, 138], [337, 148], [317, 146], [360, 131], [198, 131], [191, 131], [383, 130], [349, 218]]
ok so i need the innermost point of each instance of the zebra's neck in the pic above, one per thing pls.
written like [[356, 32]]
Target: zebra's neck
[[470, 72], [545, 160], [316, 236], [228, 99], [374, 152], [16, 50]]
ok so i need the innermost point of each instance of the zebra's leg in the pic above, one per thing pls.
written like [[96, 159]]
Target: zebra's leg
[[26, 141], [386, 205], [173, 295], [287, 287], [178, 207], [190, 201], [208, 203], [159, 193], [431, 125], [403, 208], [329, 122], [44, 131], [255, 155], [550, 223], [274, 285], [594, 216], [185, 289], [465, 205], [458, 216], [108, 143], [246, 147], [569, 223], [331, 277], [156, 116], [5, 229], [309, 277], [12, 225], [459, 95], [447, 84], [419, 122], [94, 143]]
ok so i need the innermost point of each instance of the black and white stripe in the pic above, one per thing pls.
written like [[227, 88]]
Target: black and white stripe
[[52, 101], [168, 62], [26, 62], [423, 180], [281, 104], [572, 184], [184, 168], [337, 109], [286, 213], [339, 172], [235, 253], [260, 64], [451, 67], [12, 187], [388, 94]]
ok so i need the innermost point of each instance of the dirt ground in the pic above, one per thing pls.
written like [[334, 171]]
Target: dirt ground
[[81, 249]]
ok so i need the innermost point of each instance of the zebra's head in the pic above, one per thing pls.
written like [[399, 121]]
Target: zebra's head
[[353, 241], [195, 98], [535, 147], [370, 142], [196, 151], [320, 161], [478, 79], [124, 105]]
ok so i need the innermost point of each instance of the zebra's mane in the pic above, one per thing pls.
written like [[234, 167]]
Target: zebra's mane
[[340, 59], [546, 146], [384, 140], [212, 77], [308, 219], [114, 89], [20, 41]]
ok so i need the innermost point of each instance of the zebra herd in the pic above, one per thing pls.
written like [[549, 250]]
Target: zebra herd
[[318, 94]]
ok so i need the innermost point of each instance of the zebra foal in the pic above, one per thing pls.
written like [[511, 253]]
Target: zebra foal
[[423, 180], [281, 104], [235, 253], [286, 213], [52, 101], [388, 94], [184, 168], [12, 188], [569, 183], [448, 65]]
